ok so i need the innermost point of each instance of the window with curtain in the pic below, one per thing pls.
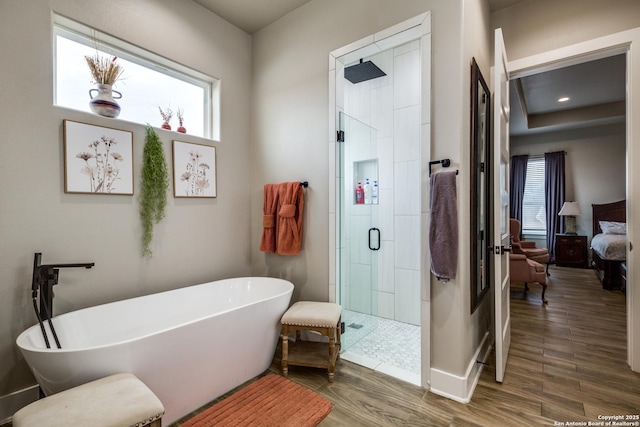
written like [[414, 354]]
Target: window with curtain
[[533, 202]]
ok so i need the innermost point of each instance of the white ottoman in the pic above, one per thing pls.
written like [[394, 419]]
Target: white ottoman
[[116, 400], [321, 317]]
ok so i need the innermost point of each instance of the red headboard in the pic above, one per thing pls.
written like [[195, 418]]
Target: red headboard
[[616, 211]]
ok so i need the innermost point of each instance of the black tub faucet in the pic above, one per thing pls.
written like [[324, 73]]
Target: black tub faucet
[[45, 276]]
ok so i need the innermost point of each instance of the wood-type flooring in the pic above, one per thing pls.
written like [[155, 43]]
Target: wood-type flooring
[[567, 364]]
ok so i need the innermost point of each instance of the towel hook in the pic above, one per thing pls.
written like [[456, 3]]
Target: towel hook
[[444, 162], [305, 184]]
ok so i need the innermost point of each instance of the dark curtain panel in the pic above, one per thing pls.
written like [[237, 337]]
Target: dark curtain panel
[[518, 180], [554, 197]]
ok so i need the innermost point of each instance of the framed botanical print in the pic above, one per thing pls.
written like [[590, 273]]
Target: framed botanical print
[[194, 170], [97, 159]]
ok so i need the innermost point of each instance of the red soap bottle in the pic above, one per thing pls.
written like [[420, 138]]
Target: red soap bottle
[[359, 194]]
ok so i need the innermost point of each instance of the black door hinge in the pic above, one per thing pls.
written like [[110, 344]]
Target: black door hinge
[[340, 136]]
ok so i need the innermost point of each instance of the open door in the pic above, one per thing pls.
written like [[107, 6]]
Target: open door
[[501, 238]]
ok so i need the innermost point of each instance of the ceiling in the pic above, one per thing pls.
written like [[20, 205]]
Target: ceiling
[[596, 92], [596, 88], [253, 15]]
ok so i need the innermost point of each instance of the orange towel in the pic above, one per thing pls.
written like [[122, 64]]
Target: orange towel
[[269, 209], [289, 219]]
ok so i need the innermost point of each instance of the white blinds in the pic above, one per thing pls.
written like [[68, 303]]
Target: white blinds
[[533, 207]]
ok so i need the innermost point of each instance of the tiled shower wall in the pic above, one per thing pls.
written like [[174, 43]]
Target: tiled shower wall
[[391, 106]]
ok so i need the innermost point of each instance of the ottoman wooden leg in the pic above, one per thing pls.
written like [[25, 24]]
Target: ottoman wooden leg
[[285, 349], [332, 353], [339, 334]]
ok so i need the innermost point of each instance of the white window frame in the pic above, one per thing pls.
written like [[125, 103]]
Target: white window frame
[[87, 36], [533, 162]]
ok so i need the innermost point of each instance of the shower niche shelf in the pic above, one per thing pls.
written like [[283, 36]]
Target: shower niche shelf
[[363, 170]]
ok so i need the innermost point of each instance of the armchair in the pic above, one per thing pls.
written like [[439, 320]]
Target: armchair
[[523, 247], [523, 269]]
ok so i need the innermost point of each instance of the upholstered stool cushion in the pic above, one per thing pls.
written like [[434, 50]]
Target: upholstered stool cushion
[[314, 314], [117, 400]]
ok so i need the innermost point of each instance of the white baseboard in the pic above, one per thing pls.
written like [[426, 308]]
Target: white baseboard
[[459, 388], [13, 402]]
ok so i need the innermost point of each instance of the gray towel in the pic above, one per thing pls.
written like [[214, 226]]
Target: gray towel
[[443, 230]]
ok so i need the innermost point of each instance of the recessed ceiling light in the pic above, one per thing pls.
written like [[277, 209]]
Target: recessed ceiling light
[[563, 99]]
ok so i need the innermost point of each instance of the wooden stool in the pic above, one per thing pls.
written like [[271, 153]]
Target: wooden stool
[[117, 400], [321, 317]]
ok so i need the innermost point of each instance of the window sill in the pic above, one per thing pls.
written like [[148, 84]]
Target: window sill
[[534, 236], [91, 118]]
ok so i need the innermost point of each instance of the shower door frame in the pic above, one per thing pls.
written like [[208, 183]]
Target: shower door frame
[[417, 28]]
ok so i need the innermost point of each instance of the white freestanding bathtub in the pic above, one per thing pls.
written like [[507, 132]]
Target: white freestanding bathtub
[[188, 345]]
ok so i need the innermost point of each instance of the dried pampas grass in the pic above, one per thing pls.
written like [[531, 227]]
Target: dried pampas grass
[[104, 70]]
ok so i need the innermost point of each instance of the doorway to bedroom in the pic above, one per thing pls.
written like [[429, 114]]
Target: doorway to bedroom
[[591, 129], [578, 109]]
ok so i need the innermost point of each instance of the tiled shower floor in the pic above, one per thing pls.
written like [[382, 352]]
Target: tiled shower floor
[[385, 345]]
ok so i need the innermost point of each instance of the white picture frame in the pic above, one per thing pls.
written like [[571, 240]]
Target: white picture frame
[[194, 170], [97, 159]]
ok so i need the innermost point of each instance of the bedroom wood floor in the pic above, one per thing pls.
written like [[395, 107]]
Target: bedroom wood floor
[[567, 363]]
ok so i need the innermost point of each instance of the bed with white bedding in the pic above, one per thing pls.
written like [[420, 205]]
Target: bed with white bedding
[[610, 246], [609, 242]]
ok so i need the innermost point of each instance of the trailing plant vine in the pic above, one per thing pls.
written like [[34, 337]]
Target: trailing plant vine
[[155, 183]]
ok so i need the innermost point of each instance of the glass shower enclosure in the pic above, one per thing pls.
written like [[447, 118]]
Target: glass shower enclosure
[[383, 129], [360, 235]]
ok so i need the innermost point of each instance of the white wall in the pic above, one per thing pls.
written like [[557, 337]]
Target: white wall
[[290, 128], [476, 327], [595, 169], [199, 240], [535, 26]]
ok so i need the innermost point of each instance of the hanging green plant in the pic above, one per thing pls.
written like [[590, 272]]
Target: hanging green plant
[[155, 183]]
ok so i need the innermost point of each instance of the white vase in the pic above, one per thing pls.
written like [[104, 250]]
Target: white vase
[[104, 102]]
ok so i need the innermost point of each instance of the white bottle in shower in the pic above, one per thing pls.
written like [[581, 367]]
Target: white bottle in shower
[[374, 193], [367, 192]]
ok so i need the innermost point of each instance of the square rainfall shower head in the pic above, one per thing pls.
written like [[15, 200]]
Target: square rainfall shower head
[[362, 72]]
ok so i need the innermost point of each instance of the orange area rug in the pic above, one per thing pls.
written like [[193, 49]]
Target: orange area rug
[[271, 401]]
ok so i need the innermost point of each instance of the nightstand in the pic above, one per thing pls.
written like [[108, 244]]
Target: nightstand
[[571, 251]]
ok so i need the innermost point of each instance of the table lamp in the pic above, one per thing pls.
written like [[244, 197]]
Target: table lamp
[[569, 211]]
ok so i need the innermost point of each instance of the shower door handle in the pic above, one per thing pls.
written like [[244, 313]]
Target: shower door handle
[[377, 231]]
